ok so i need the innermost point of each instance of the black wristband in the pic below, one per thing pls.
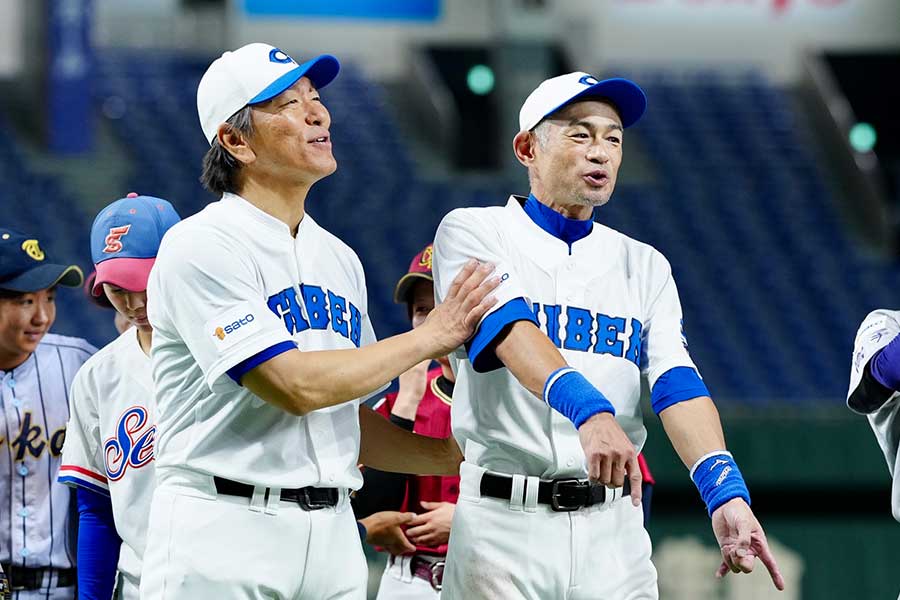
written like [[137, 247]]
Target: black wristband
[[406, 424]]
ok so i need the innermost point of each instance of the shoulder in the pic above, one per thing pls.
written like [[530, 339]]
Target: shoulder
[[68, 346], [474, 215], [635, 252]]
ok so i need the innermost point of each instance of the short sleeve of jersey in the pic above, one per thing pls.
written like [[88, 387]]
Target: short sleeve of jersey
[[208, 293], [465, 234], [877, 331], [664, 345], [82, 457]]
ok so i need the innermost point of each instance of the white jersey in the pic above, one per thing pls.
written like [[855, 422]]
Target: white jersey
[[876, 332], [35, 529], [109, 444], [610, 305], [229, 283]]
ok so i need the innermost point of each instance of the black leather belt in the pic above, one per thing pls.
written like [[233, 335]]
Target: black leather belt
[[563, 495], [28, 578], [309, 497]]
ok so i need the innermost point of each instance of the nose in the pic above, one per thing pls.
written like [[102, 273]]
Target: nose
[[318, 115], [135, 301], [597, 154], [41, 315]]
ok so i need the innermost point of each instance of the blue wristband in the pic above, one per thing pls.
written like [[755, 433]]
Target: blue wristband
[[362, 531], [719, 480], [570, 393], [885, 365]]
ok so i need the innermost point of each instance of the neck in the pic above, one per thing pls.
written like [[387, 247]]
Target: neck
[[144, 339], [285, 202], [447, 372], [9, 362], [568, 209]]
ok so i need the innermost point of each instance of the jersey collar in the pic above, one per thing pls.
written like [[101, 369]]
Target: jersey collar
[[560, 227], [263, 218]]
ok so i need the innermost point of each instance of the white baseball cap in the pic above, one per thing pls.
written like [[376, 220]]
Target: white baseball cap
[[252, 74], [556, 92]]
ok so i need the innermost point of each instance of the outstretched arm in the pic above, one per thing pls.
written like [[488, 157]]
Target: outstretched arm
[[387, 447], [694, 428], [301, 382]]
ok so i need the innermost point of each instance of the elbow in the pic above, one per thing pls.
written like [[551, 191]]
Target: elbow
[[303, 401]]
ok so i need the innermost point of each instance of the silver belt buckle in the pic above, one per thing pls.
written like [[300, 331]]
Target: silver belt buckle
[[437, 575]]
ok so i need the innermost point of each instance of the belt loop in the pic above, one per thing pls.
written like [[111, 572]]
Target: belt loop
[[272, 501], [531, 494], [517, 493], [406, 574], [258, 499]]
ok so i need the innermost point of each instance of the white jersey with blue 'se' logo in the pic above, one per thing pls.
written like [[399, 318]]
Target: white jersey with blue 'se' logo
[[35, 525], [110, 439], [883, 412], [229, 283], [610, 305]]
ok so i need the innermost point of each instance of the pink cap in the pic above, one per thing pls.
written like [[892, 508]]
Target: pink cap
[[127, 273]]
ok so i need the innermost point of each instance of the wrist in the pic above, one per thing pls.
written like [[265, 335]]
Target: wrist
[[405, 409], [570, 393], [718, 480]]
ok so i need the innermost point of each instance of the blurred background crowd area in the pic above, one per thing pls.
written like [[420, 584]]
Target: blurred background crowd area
[[767, 169]]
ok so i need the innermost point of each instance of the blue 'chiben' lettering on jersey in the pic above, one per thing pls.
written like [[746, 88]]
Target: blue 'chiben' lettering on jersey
[[586, 331], [324, 309]]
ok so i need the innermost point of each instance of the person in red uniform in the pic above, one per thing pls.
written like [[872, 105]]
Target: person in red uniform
[[422, 404], [417, 535]]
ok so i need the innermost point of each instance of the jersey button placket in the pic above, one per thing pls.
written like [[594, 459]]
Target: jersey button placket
[[23, 470]]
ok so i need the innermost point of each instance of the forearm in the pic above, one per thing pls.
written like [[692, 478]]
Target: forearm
[[98, 546], [529, 355], [301, 382], [388, 447], [694, 429]]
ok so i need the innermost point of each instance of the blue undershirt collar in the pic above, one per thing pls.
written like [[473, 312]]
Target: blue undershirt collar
[[560, 227]]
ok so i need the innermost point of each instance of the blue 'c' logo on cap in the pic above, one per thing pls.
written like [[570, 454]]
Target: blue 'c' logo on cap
[[588, 80], [277, 55]]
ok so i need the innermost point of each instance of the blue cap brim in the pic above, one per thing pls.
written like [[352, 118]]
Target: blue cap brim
[[44, 277], [321, 71], [626, 95]]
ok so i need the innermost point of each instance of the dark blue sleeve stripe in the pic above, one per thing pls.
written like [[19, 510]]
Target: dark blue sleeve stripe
[[245, 366], [480, 347], [676, 385]]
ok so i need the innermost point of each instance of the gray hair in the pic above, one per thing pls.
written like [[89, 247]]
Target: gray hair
[[541, 132], [220, 168]]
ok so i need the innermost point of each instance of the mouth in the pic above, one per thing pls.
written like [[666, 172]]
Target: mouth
[[596, 178], [34, 336], [322, 141], [140, 320]]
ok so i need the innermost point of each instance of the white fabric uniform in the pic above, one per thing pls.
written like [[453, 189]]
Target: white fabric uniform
[[35, 529], [399, 583], [229, 283], [876, 332], [618, 317], [109, 444]]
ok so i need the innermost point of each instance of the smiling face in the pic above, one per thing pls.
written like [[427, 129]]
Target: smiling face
[[573, 156], [24, 320], [131, 305], [290, 141]]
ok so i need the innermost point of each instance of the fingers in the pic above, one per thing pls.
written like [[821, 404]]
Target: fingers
[[430, 505], [473, 317], [418, 531], [722, 571], [469, 292], [401, 518], [400, 546], [740, 552], [636, 480], [461, 277], [768, 559]]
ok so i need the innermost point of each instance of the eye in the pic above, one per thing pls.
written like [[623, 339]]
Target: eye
[[580, 136], [614, 139], [294, 101]]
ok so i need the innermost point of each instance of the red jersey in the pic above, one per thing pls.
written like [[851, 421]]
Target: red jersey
[[433, 420]]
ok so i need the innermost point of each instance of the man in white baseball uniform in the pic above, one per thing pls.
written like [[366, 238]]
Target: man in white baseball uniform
[[263, 351], [546, 405], [108, 454], [875, 386], [37, 535]]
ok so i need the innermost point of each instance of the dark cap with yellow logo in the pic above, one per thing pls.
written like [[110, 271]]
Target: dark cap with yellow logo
[[25, 268], [419, 268]]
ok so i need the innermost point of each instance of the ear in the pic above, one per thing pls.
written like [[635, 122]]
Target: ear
[[524, 146], [235, 143]]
